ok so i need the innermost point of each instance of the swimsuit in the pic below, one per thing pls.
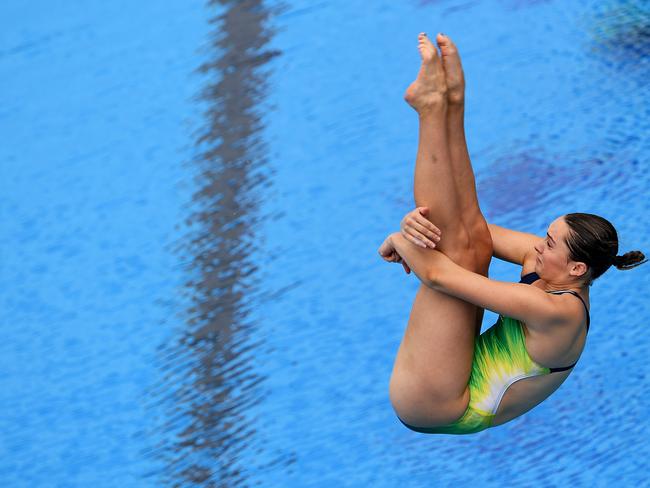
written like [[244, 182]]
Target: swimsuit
[[500, 359]]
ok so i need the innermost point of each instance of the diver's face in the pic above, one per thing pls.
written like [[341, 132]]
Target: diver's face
[[553, 253]]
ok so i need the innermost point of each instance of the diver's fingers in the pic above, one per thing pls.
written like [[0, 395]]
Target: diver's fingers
[[424, 234], [422, 220], [416, 237]]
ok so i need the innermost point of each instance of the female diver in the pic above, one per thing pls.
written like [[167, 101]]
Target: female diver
[[447, 378]]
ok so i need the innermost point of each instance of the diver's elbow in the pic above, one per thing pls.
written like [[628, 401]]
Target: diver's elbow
[[432, 278]]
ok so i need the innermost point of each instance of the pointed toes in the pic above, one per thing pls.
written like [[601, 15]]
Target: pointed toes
[[445, 44]]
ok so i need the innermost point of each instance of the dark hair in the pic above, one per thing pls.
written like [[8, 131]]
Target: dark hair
[[593, 240]]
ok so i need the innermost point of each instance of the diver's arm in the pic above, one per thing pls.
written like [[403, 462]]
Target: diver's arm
[[511, 245], [413, 257], [524, 302]]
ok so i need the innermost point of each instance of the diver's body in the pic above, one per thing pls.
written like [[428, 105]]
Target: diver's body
[[545, 322]]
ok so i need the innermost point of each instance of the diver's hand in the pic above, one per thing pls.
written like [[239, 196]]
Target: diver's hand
[[416, 228], [388, 253]]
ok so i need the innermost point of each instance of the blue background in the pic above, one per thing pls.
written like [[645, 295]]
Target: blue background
[[192, 197]]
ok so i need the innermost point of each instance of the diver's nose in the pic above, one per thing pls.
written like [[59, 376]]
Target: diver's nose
[[538, 247]]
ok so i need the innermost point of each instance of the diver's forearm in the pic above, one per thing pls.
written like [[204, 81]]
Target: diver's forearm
[[418, 259]]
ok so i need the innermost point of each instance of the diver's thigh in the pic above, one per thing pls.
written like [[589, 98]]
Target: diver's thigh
[[434, 360]]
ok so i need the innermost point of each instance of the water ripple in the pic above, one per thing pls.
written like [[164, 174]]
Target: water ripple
[[210, 382]]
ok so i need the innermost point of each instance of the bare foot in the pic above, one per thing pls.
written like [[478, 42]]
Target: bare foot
[[429, 88], [453, 70]]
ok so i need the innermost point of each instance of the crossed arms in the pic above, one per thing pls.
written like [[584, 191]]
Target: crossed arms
[[435, 270]]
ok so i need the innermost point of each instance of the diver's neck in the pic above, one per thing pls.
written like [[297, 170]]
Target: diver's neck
[[566, 285]]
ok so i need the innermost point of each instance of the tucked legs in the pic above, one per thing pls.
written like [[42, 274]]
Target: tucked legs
[[429, 382], [462, 167]]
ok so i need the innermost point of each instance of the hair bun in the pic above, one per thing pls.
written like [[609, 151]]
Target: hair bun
[[629, 260]]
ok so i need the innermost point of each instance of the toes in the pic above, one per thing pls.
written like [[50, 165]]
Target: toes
[[446, 45], [424, 41]]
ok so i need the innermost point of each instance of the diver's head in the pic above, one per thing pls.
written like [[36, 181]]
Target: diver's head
[[581, 247]]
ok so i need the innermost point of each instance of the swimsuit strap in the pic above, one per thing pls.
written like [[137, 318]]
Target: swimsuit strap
[[559, 292], [557, 370], [531, 278]]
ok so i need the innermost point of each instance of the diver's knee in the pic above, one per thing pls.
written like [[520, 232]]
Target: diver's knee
[[457, 245], [482, 245], [480, 232]]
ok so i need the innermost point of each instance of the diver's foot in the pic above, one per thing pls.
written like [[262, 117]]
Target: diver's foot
[[453, 70], [429, 88]]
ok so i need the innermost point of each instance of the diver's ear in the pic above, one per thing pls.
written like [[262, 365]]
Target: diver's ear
[[578, 269]]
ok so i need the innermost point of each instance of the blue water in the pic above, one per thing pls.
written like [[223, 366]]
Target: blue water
[[192, 197]]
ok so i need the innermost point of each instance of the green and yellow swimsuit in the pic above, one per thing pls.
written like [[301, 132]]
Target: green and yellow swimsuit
[[500, 359]]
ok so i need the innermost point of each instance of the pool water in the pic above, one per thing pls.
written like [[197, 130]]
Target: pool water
[[193, 194]]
